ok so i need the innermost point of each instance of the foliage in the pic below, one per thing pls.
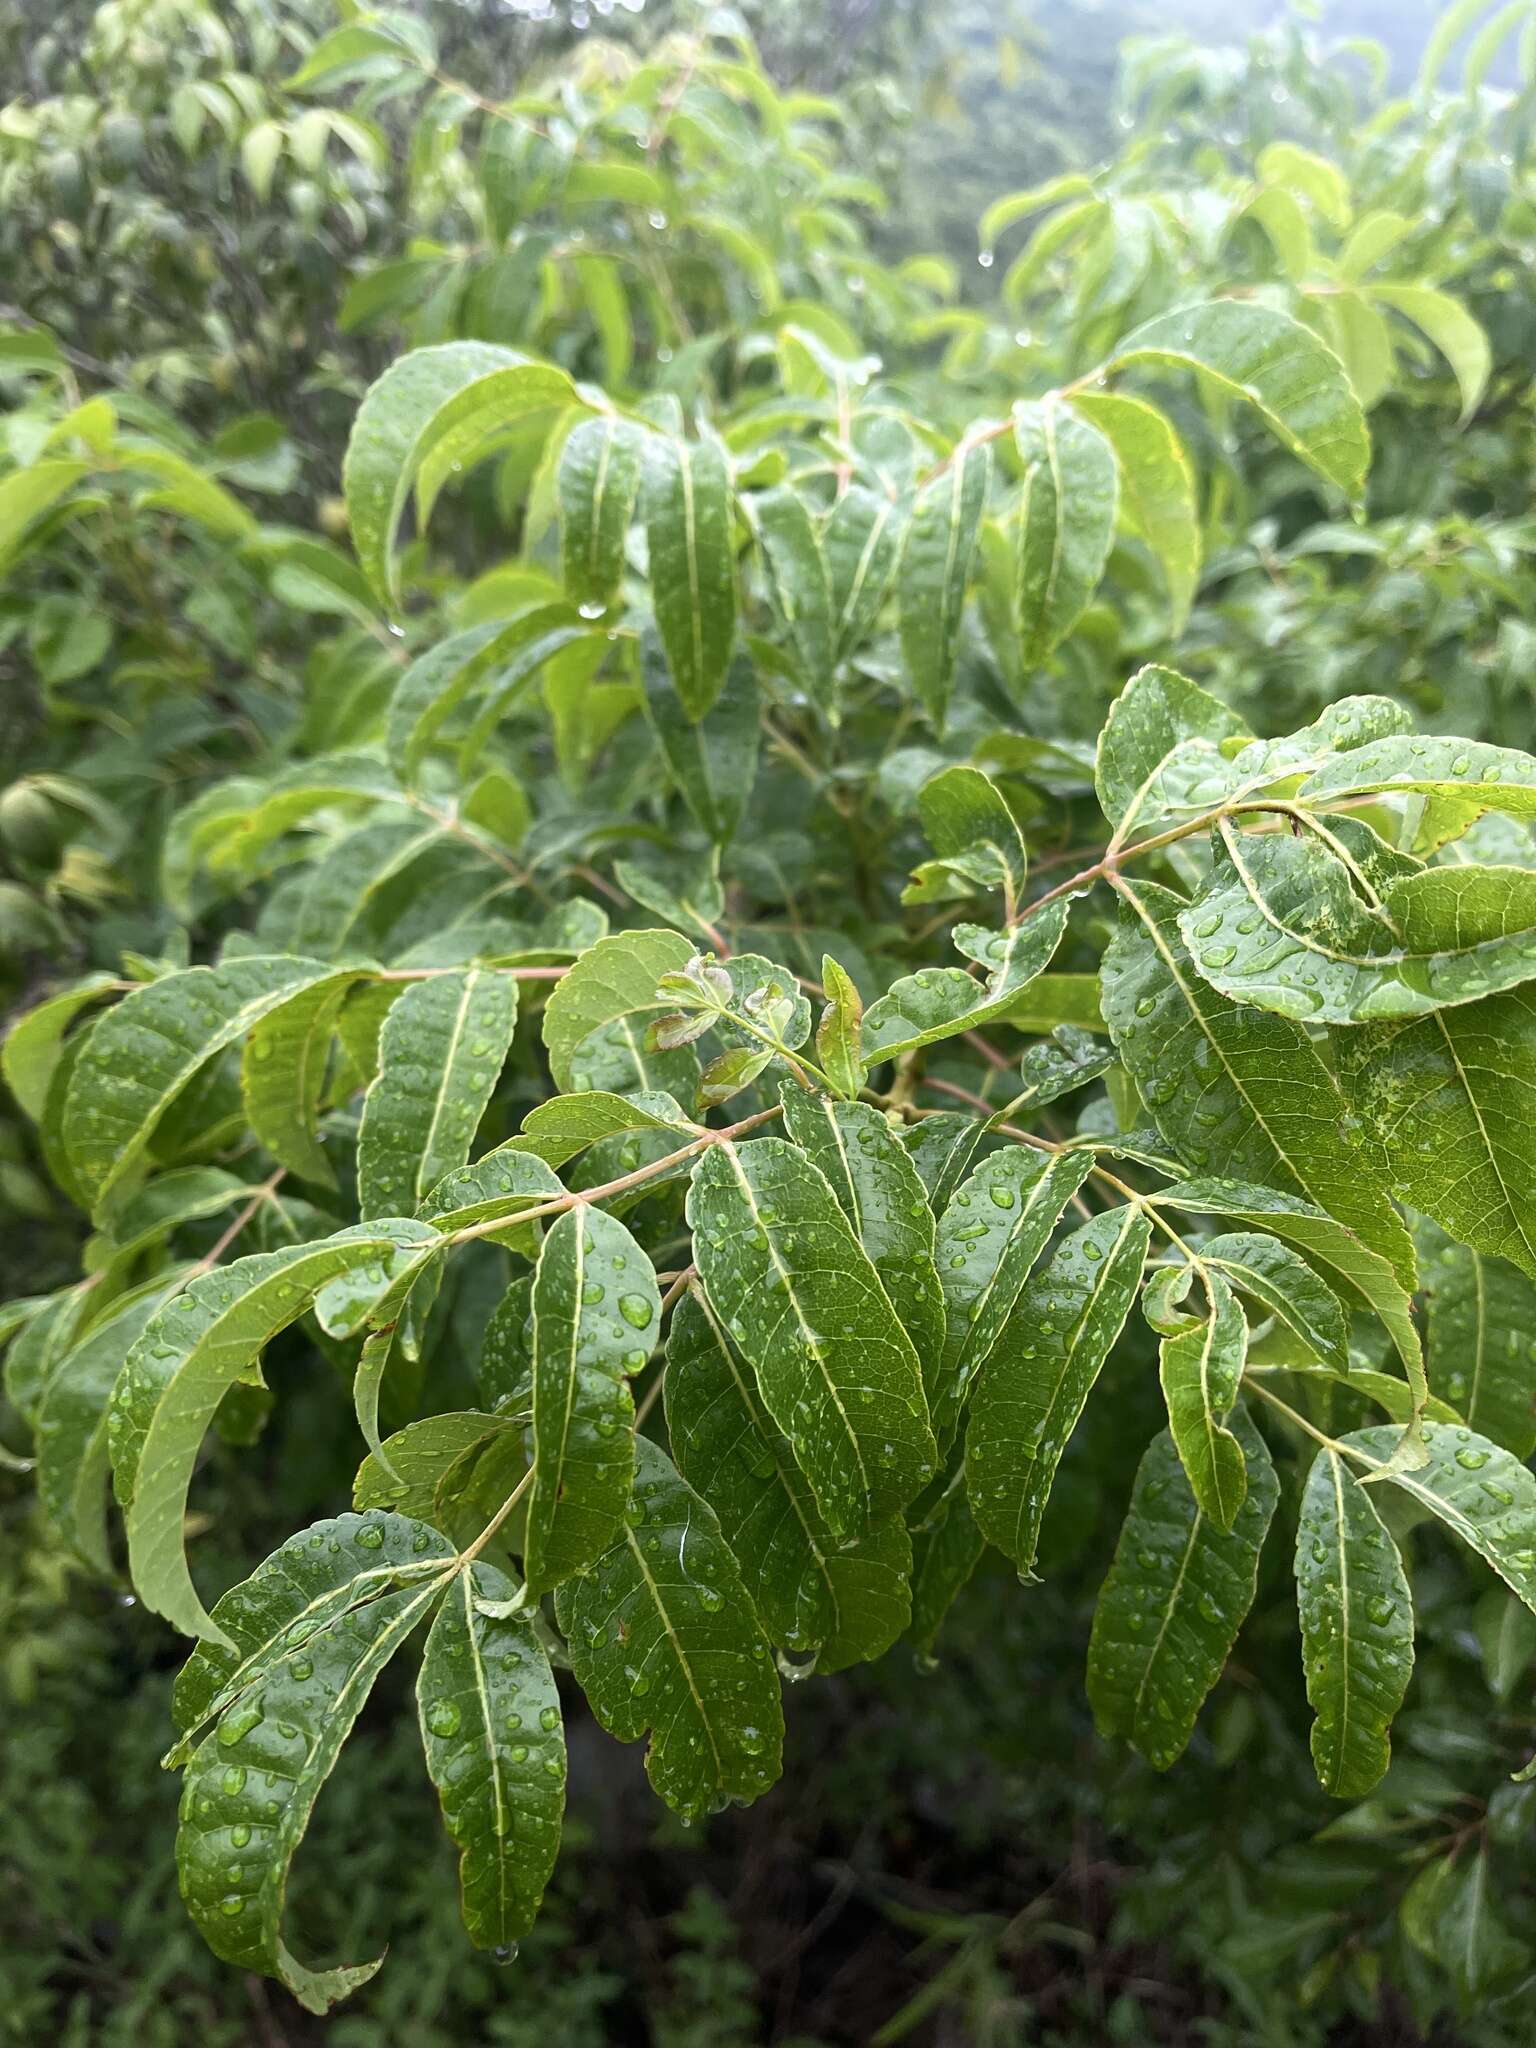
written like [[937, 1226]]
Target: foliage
[[518, 956]]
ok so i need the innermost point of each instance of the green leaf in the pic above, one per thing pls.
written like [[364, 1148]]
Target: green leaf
[[936, 557], [797, 579], [613, 982], [845, 1604], [208, 1337], [1460, 779], [491, 1728], [1038, 1375], [144, 1051], [1176, 1595], [34, 1042], [1295, 383], [861, 541], [599, 480], [871, 1173], [663, 1637], [939, 1002], [1234, 1084], [452, 1470], [1453, 331], [713, 759], [1480, 1492], [506, 654], [942, 1147], [596, 1318], [1069, 1059], [1157, 489], [432, 412], [1448, 1099], [686, 499], [792, 1285], [1161, 744], [839, 1046], [558, 1129], [1066, 519], [1506, 1639], [1482, 1327], [1280, 923], [283, 1074], [974, 836], [1201, 1369], [1273, 1275], [1326, 1242], [252, 1785], [1356, 1613], [1448, 1911], [317, 1576], [946, 1550], [71, 1431], [441, 1051], [993, 1230], [26, 495]]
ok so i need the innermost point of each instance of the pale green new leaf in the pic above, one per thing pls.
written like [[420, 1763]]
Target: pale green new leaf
[[795, 1289], [1039, 1374], [1066, 519], [441, 1050], [663, 1637], [599, 480], [143, 1052], [1175, 1597], [1157, 489], [845, 1604], [596, 1317], [1356, 1612], [936, 558], [686, 499], [495, 1747], [1294, 382]]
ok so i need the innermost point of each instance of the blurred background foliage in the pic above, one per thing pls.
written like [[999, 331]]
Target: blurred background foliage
[[227, 258]]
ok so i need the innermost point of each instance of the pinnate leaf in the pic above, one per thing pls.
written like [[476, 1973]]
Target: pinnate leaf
[[663, 1637]]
